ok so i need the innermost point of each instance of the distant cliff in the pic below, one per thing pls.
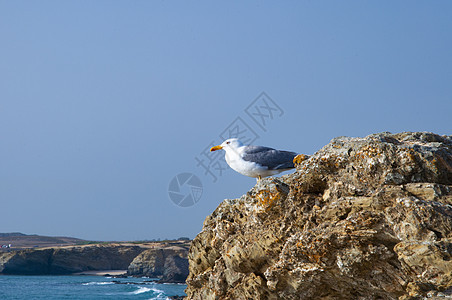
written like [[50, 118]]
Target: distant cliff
[[68, 260], [170, 265], [363, 218], [166, 260]]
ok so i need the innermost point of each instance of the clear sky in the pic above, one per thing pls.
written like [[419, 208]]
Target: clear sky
[[102, 103]]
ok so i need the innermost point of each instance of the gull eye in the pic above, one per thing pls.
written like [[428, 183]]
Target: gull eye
[[228, 142]]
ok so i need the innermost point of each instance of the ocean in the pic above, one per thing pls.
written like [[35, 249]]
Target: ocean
[[85, 287]]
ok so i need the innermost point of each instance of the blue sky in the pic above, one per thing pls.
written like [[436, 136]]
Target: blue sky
[[102, 103]]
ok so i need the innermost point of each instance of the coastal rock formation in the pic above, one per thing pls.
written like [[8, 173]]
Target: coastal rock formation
[[166, 260], [363, 218], [170, 265], [68, 260]]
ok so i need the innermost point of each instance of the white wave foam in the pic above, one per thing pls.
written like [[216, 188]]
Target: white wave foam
[[141, 290], [160, 294], [98, 283], [159, 297]]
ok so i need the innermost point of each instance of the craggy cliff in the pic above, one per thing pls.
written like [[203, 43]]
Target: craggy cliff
[[166, 261], [58, 261], [363, 218], [170, 265]]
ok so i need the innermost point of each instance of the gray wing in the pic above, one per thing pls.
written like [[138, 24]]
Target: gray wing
[[271, 158]]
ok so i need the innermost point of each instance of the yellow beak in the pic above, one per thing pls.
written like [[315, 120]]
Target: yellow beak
[[215, 148]]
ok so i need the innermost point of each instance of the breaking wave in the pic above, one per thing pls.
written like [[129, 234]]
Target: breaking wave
[[98, 283]]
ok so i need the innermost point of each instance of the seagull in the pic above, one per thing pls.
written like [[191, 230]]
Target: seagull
[[255, 161]]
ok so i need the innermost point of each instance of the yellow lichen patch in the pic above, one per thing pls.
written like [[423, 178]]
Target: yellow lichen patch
[[432, 163], [369, 152], [299, 159], [411, 157], [267, 198], [316, 257], [410, 154]]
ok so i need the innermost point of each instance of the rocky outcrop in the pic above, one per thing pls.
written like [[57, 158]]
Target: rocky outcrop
[[27, 262], [170, 264], [167, 260], [67, 260], [363, 218]]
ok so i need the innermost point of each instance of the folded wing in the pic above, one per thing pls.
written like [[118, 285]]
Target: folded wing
[[268, 157]]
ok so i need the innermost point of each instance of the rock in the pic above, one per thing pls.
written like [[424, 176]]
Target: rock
[[363, 218], [168, 264], [58, 261], [26, 262]]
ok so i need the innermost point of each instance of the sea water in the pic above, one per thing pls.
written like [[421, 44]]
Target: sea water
[[85, 287]]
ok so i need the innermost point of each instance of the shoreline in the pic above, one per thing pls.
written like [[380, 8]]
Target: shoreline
[[102, 273]]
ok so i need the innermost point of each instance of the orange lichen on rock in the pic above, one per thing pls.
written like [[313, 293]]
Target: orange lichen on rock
[[299, 159], [267, 198]]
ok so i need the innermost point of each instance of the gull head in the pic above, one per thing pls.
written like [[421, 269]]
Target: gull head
[[229, 144]]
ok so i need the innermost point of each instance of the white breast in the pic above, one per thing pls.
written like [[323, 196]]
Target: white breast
[[247, 168]]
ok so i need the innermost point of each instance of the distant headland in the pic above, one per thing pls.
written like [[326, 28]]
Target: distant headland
[[22, 254]]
